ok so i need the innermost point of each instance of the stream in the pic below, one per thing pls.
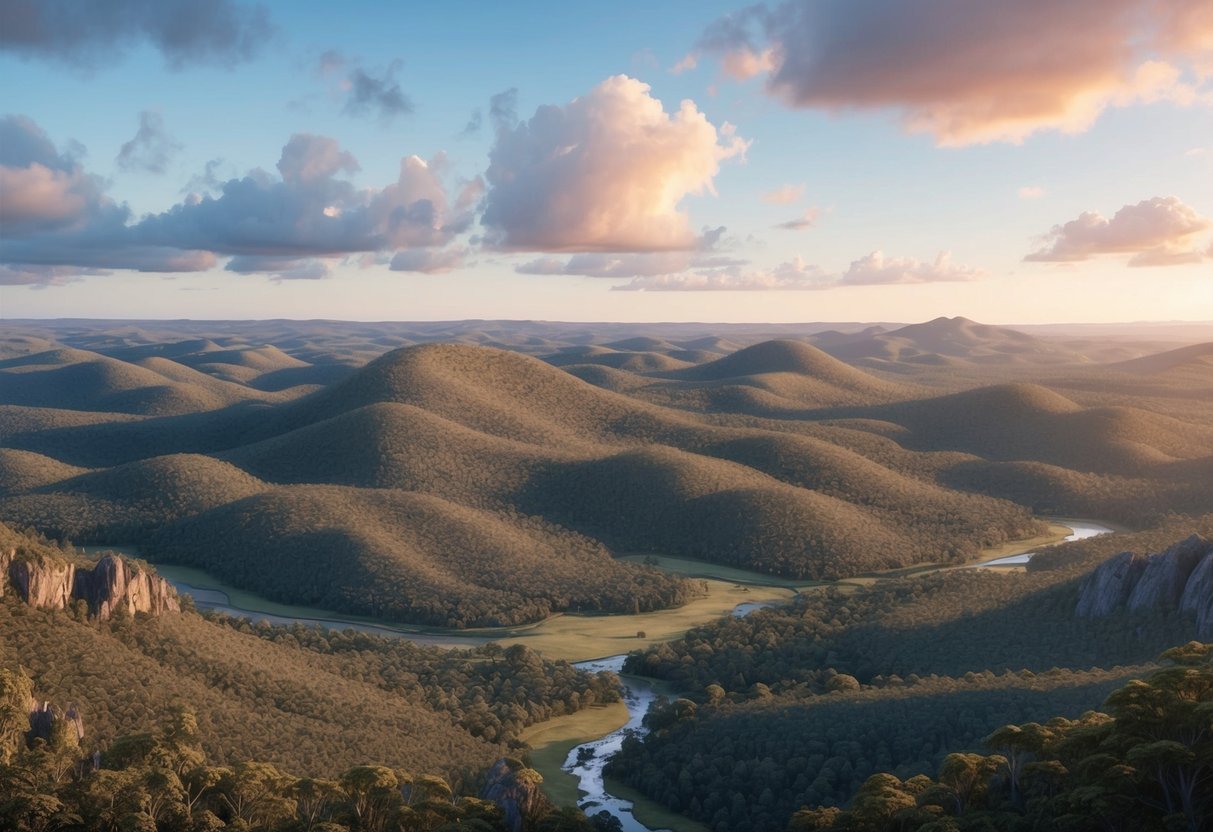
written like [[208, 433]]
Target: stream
[[585, 761]]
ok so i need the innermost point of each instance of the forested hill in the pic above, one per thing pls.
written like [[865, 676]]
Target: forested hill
[[314, 702], [802, 704]]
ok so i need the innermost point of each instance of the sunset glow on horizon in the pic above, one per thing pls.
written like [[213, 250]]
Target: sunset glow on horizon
[[802, 160]]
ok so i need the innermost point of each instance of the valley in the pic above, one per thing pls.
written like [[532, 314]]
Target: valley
[[569, 507]]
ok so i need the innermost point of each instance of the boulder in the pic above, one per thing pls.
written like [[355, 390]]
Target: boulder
[[1162, 584], [1110, 585]]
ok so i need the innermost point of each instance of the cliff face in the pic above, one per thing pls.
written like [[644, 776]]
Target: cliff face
[[111, 584], [1110, 586], [1179, 578]]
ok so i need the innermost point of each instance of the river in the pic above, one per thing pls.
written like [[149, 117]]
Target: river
[[586, 761], [1079, 530]]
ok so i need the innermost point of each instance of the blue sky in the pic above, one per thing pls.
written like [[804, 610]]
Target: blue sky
[[933, 140]]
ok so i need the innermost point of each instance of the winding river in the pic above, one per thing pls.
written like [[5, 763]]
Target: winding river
[[585, 761], [1079, 530]]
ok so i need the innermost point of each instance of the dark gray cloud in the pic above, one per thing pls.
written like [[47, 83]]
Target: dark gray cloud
[[280, 268], [503, 110], [151, 148], [376, 96], [428, 260], [91, 34], [503, 114]]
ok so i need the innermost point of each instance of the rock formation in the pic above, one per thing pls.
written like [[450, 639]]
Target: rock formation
[[1110, 585], [112, 583], [1179, 578], [1166, 575]]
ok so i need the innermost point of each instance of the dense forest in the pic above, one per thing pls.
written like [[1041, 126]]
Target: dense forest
[[310, 701], [803, 703], [160, 780]]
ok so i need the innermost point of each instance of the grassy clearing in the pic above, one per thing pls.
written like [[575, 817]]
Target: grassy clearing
[[691, 568], [551, 742], [653, 814], [580, 637]]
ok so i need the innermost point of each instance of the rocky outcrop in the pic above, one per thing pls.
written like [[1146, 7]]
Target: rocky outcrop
[[1198, 597], [113, 583], [1110, 585], [43, 717], [1179, 578], [1166, 575]]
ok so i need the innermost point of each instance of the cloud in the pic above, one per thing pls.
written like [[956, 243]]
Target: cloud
[[806, 220], [379, 96], [783, 195], [704, 254], [797, 275], [42, 188], [971, 71], [280, 268], [503, 110], [364, 93], [91, 35], [1156, 232], [276, 225], [1031, 192], [151, 148], [428, 261], [877, 270], [605, 172], [42, 275], [685, 64], [793, 275]]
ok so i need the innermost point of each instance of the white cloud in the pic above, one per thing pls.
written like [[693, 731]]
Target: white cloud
[[606, 172]]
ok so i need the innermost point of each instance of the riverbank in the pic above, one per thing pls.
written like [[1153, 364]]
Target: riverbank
[[552, 741]]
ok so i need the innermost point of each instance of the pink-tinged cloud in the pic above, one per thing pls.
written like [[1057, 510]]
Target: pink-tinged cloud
[[783, 195], [806, 220], [877, 270], [272, 225], [1031, 192], [606, 172], [40, 188], [709, 252], [796, 275], [793, 275], [685, 64], [1156, 232], [971, 71]]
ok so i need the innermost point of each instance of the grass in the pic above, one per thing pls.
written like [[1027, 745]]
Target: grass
[[551, 742], [691, 568], [570, 637], [581, 637], [653, 814]]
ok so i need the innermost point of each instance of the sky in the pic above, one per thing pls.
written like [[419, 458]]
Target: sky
[[809, 160]]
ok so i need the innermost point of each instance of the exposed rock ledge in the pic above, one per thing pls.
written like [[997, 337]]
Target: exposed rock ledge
[[1179, 578], [112, 583]]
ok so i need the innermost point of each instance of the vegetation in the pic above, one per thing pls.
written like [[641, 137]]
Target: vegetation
[[1146, 764], [801, 704], [162, 780]]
